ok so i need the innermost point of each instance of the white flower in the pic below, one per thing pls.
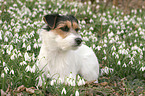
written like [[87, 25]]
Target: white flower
[[6, 39], [119, 63], [6, 69], [33, 69], [98, 6], [104, 51], [124, 65], [142, 68], [26, 56], [81, 82], [106, 70], [105, 45], [63, 91], [91, 20], [29, 48], [36, 45], [97, 1], [12, 72], [117, 56], [23, 63], [4, 64], [104, 58], [113, 48], [91, 28], [77, 93], [13, 56], [70, 80], [2, 75], [24, 45], [98, 47], [52, 82], [28, 68], [83, 22], [110, 35]]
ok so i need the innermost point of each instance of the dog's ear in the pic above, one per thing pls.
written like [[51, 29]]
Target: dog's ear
[[73, 18], [50, 20]]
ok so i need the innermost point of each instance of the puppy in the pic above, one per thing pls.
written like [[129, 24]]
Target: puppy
[[62, 51]]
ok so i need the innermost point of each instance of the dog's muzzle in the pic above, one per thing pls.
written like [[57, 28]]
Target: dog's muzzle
[[78, 41]]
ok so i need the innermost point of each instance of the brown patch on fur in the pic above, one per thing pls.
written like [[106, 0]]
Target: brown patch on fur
[[60, 32], [63, 34], [62, 24], [75, 25]]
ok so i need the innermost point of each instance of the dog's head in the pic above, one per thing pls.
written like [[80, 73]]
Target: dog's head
[[62, 31]]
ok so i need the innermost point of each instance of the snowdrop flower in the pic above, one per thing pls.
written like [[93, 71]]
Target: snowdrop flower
[[23, 63], [91, 28], [26, 56], [70, 81], [83, 22], [36, 45], [117, 56], [2, 75], [52, 82], [106, 70], [77, 93], [12, 72], [119, 63], [6, 69], [19, 54], [91, 21], [84, 12], [94, 16], [33, 69], [124, 65], [28, 68], [104, 58], [142, 68], [8, 51], [98, 6], [1, 21], [98, 47], [63, 91], [81, 81], [105, 45], [110, 35], [33, 57], [59, 81], [28, 48], [113, 53], [113, 48], [105, 40], [4, 64], [6, 39], [24, 45], [97, 1], [123, 51], [13, 56], [131, 62], [104, 51]]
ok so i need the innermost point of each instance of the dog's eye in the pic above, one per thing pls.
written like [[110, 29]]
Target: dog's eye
[[77, 29], [65, 28]]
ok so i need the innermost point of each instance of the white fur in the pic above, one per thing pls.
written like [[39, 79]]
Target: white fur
[[59, 57]]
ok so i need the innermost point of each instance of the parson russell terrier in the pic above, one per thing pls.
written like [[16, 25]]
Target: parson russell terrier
[[62, 51]]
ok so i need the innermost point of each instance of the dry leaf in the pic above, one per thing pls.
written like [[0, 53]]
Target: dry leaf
[[29, 90], [21, 88], [104, 83]]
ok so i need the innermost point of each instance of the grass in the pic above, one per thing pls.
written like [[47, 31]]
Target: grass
[[116, 38]]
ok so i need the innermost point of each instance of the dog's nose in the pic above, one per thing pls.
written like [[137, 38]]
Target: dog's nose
[[78, 41]]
